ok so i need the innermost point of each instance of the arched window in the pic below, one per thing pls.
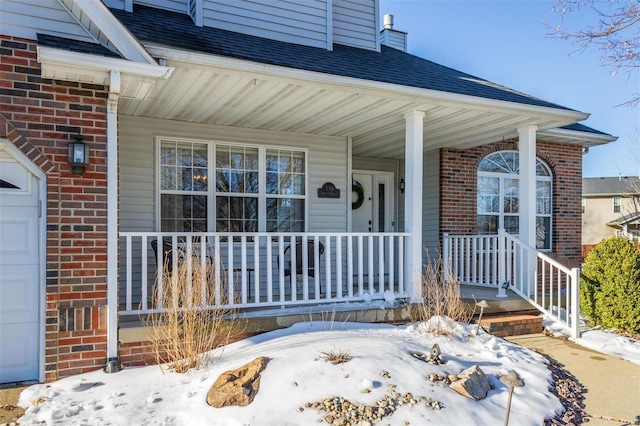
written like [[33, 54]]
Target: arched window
[[499, 196]]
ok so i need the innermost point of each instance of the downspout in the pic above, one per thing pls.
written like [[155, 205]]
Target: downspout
[[113, 364]]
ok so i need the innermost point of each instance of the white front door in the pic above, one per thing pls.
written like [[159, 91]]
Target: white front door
[[19, 272], [374, 215]]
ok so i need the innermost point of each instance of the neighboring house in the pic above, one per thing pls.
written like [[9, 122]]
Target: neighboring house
[[610, 206], [238, 128]]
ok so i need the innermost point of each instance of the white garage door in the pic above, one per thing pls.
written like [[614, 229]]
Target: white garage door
[[19, 272]]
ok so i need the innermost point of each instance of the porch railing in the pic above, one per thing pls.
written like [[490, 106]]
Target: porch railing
[[502, 261], [254, 270]]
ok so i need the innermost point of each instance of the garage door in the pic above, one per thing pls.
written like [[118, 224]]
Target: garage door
[[19, 272]]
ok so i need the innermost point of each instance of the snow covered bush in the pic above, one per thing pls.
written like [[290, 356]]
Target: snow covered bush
[[610, 285], [192, 315]]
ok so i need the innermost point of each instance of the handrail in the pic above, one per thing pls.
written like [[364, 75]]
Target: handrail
[[503, 261]]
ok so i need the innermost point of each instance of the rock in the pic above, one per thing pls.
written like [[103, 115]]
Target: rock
[[237, 387], [472, 383]]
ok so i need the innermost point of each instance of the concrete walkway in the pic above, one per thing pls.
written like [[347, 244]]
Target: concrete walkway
[[8, 400], [613, 384]]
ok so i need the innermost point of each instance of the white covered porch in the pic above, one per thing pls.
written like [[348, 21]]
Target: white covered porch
[[332, 118]]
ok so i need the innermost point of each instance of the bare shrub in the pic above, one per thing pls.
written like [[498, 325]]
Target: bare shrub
[[336, 356], [192, 316], [439, 298]]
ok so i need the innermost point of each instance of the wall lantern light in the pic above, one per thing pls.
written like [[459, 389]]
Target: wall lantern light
[[78, 155], [401, 185]]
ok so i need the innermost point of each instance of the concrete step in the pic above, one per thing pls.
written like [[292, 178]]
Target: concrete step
[[512, 325]]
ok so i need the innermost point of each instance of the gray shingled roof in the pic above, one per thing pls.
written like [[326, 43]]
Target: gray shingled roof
[[388, 66], [610, 185], [76, 46]]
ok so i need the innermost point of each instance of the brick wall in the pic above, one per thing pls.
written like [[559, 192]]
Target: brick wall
[[40, 117], [458, 182]]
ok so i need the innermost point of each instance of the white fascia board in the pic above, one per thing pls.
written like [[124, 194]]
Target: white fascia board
[[113, 29], [584, 138], [349, 83], [65, 65]]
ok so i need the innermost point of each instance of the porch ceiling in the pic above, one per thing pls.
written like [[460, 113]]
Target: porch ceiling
[[371, 116]]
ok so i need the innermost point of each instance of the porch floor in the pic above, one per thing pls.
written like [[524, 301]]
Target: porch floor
[[255, 321]]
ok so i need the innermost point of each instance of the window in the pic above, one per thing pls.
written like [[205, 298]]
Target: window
[[498, 195], [584, 205], [616, 204], [256, 188]]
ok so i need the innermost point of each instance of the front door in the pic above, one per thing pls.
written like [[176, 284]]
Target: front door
[[372, 213], [19, 272]]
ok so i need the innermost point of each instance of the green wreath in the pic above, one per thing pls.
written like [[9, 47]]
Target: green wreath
[[359, 190]]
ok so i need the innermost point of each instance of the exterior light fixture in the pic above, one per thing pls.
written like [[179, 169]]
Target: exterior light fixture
[[78, 156], [401, 185], [512, 380], [482, 305]]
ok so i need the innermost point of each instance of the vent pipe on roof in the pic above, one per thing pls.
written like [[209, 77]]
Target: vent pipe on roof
[[392, 38], [388, 21]]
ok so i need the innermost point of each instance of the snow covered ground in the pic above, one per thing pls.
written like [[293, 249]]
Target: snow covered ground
[[298, 374]]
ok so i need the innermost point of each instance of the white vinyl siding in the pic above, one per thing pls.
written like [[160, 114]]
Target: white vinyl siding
[[173, 5], [431, 203], [26, 19], [284, 20], [355, 23], [327, 162], [395, 39]]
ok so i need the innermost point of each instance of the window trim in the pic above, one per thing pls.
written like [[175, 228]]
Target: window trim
[[502, 176], [211, 173], [616, 202]]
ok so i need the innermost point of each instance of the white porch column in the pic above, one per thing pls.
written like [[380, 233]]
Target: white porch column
[[527, 153], [413, 153], [112, 216]]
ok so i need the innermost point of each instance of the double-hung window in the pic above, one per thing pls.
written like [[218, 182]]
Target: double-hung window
[[498, 197], [225, 187], [617, 202]]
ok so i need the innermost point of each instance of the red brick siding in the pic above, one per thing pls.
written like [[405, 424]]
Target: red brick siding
[[40, 117], [458, 182]]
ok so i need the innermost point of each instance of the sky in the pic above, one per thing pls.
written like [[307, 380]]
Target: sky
[[507, 42]]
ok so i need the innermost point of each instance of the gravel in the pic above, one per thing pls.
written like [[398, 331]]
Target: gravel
[[571, 394]]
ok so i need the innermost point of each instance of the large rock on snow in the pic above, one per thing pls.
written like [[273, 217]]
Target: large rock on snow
[[237, 387], [472, 383]]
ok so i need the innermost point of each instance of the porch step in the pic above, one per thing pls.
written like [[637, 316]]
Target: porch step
[[512, 325]]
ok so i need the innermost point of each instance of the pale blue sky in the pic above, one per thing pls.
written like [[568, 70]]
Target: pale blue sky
[[506, 42]]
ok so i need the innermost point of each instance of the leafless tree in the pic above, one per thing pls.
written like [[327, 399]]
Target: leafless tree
[[615, 33]]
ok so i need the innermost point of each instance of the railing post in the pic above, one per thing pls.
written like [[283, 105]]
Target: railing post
[[502, 262], [446, 257], [575, 303]]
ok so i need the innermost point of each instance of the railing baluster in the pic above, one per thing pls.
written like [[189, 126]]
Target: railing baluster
[[316, 265], [391, 262], [401, 265], [281, 266], [243, 267], [381, 265], [349, 265], [339, 293], [230, 277], [128, 274], [293, 269], [360, 266], [370, 263], [305, 268], [218, 271], [327, 266], [269, 270], [256, 269], [144, 264]]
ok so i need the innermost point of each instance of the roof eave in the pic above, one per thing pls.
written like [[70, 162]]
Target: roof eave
[[585, 139], [137, 78], [562, 116]]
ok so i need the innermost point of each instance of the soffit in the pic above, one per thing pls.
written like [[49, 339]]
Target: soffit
[[372, 118]]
